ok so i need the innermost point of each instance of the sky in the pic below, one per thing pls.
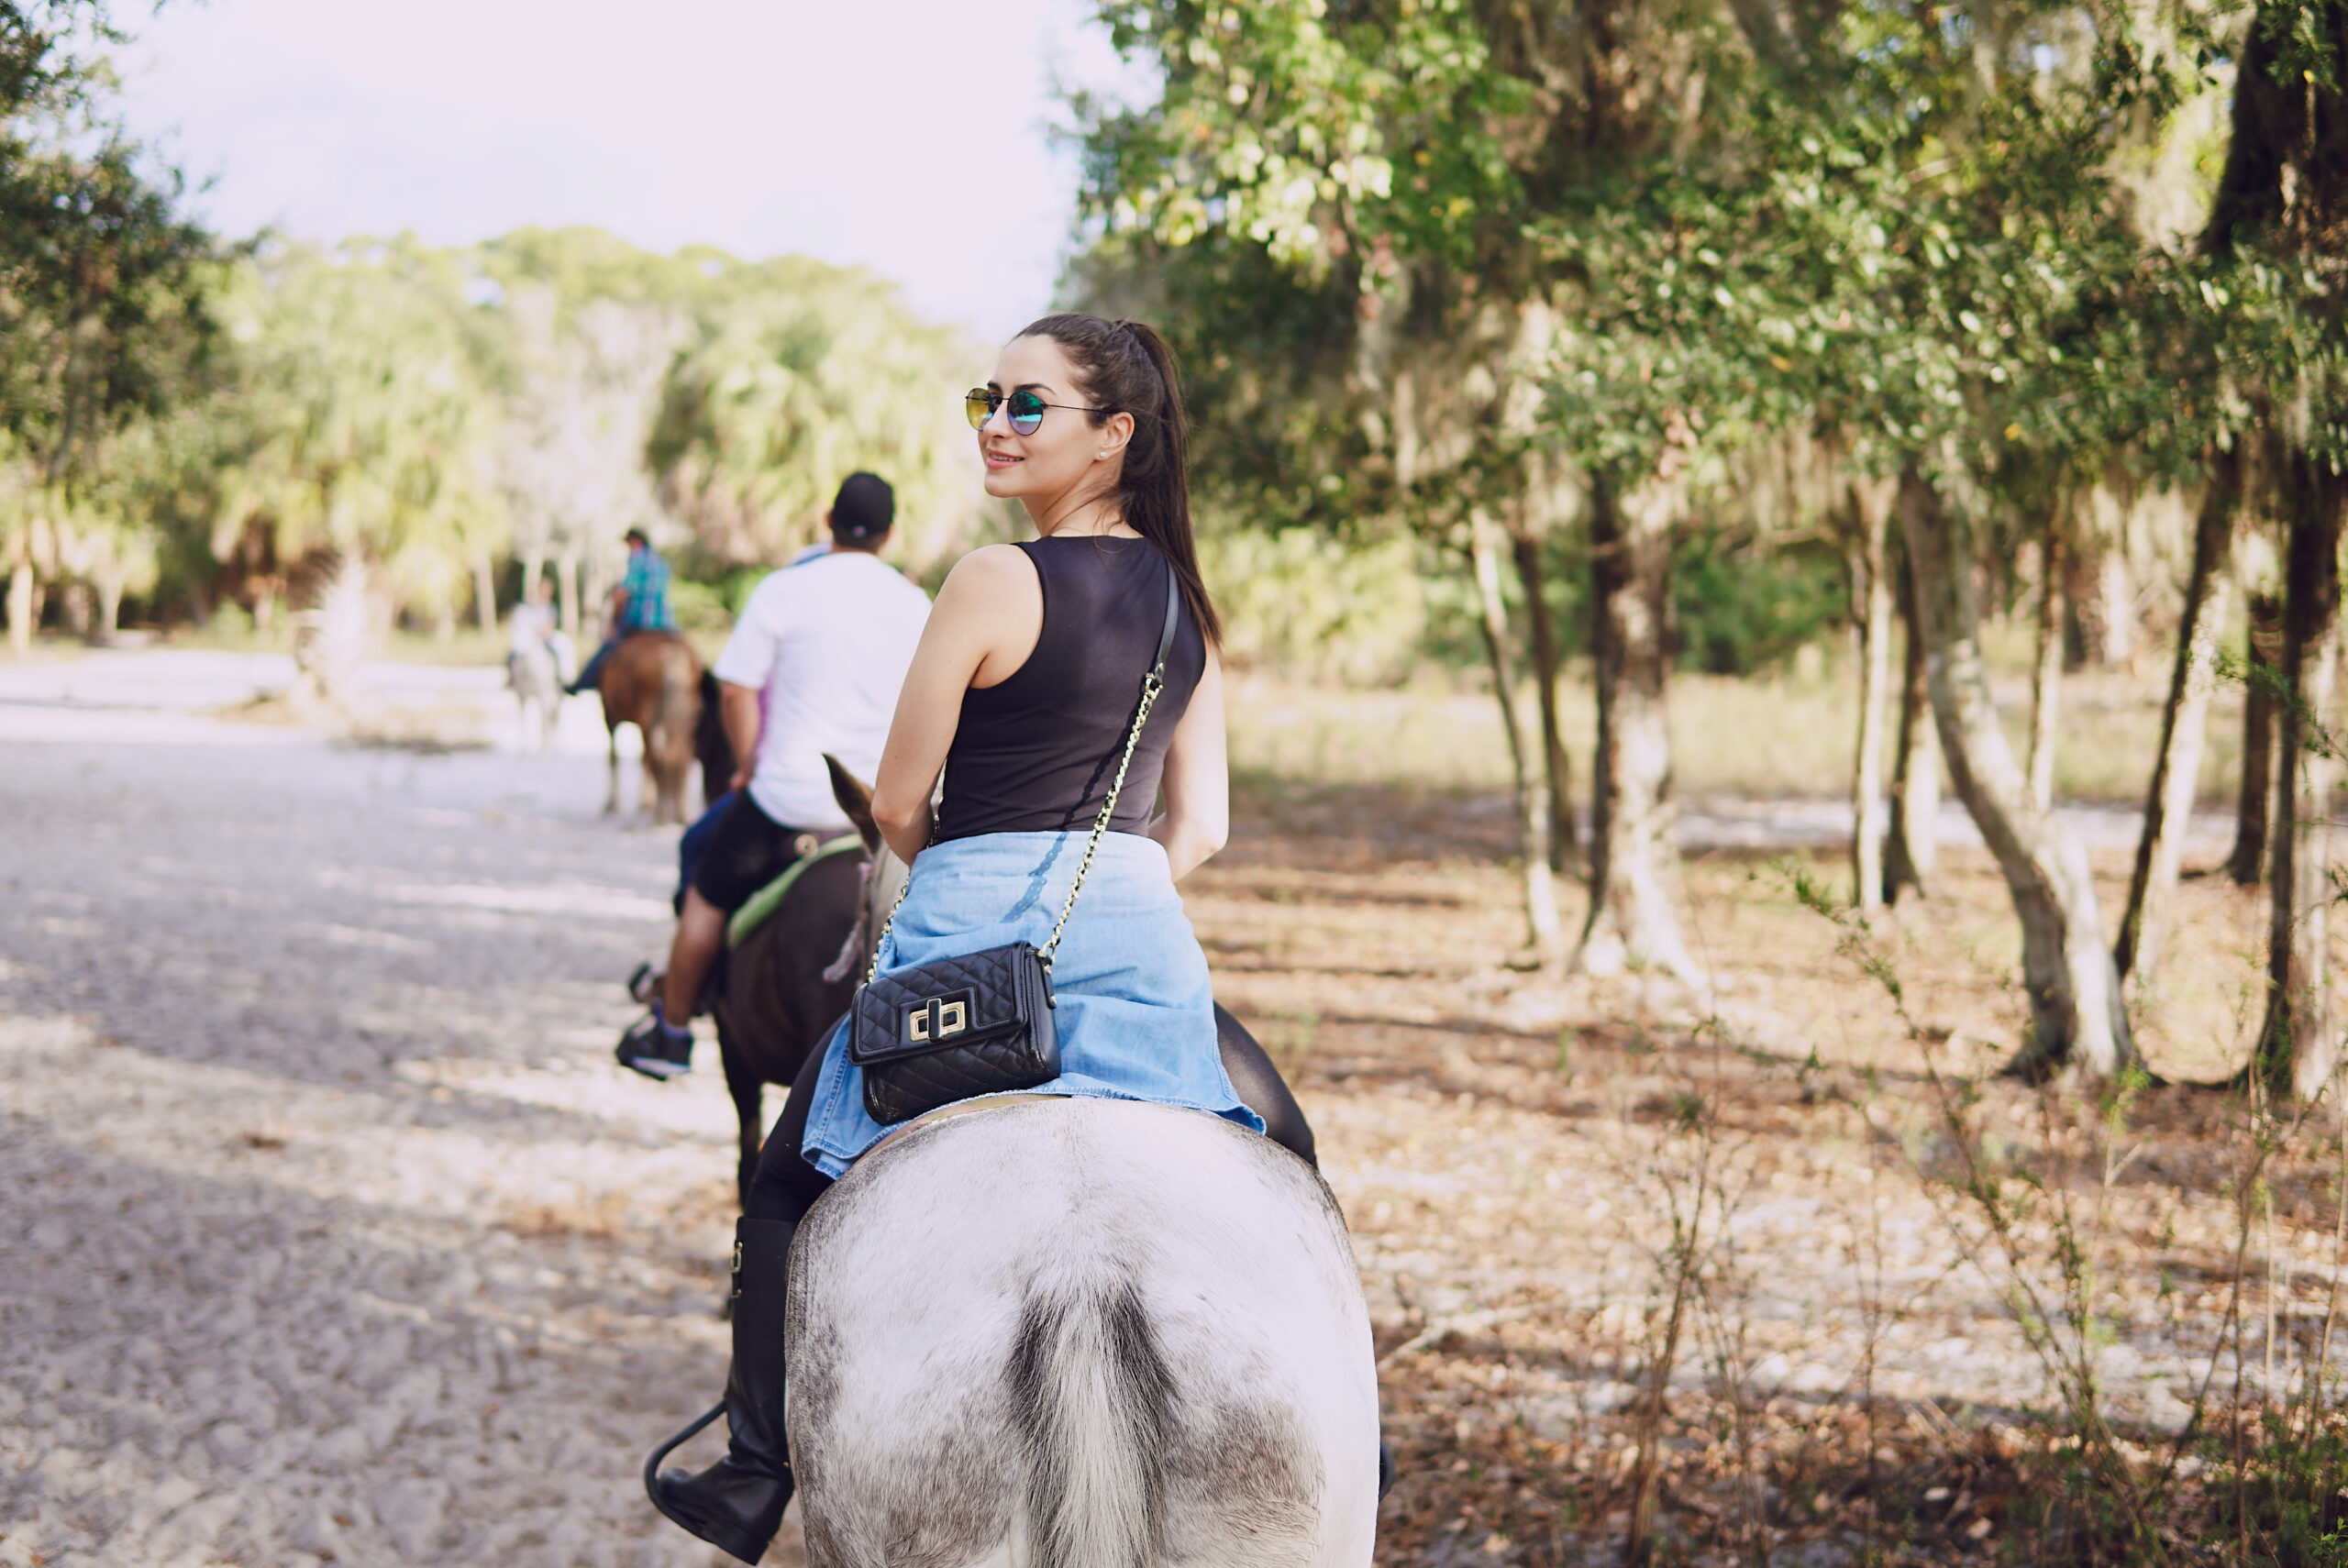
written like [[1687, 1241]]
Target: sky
[[911, 137]]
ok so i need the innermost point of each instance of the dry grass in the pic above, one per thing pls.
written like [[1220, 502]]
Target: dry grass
[[1769, 738], [1851, 1380]]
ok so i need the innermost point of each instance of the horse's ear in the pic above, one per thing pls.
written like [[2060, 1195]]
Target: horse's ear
[[855, 796]]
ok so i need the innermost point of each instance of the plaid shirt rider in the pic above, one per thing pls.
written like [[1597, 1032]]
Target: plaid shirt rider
[[647, 586]]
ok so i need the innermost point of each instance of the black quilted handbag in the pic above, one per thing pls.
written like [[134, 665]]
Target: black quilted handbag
[[981, 1023]]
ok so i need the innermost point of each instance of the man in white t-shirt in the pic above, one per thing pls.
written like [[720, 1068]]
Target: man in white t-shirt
[[826, 640]]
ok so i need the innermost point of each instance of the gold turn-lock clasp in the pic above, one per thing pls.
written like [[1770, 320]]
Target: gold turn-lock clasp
[[936, 1019]]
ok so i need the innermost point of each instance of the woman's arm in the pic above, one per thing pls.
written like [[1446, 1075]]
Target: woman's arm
[[1197, 781], [980, 631]]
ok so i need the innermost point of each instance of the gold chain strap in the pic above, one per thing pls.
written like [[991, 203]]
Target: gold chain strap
[[1151, 685], [873, 968]]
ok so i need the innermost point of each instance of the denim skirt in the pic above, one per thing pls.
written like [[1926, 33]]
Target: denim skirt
[[1135, 1015]]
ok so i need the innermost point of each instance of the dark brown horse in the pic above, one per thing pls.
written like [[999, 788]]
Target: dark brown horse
[[770, 998], [653, 681]]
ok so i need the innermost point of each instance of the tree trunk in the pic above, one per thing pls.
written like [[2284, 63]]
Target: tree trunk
[[484, 593], [1912, 847], [2253, 805], [109, 604], [1633, 840], [2168, 802], [595, 594], [20, 608], [566, 583], [2077, 1018], [1545, 930], [1564, 841], [1871, 610], [2115, 607], [2046, 676], [2297, 1051]]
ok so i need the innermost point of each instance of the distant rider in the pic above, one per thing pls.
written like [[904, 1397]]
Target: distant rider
[[533, 627], [827, 640], [640, 604]]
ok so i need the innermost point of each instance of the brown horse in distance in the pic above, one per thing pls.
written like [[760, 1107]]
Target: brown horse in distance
[[653, 681]]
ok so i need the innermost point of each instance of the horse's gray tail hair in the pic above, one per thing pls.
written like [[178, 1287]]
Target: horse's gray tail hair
[[1094, 1405], [677, 690]]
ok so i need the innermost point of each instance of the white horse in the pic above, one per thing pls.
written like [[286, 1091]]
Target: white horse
[[1043, 1332], [537, 672], [1081, 1333]]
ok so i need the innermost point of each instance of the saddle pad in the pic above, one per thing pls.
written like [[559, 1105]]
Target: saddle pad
[[762, 904]]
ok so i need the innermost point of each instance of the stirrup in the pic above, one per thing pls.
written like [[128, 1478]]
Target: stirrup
[[652, 1465]]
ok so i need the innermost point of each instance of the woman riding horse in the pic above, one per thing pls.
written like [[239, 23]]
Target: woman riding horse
[[1023, 691]]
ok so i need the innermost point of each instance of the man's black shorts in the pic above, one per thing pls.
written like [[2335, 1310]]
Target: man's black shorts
[[747, 850]]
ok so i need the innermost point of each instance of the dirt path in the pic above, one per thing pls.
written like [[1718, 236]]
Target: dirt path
[[334, 1233]]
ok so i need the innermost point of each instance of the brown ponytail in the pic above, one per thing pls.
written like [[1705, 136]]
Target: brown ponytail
[[1128, 369]]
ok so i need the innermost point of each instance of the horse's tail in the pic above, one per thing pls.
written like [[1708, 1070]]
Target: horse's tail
[[678, 696], [1092, 1399]]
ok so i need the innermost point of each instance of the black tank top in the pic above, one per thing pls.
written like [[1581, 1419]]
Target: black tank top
[[1036, 753]]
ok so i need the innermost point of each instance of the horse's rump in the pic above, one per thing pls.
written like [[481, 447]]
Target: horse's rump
[[1081, 1333], [652, 681]]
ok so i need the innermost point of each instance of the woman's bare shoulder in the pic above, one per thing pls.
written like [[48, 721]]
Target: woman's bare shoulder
[[991, 562], [989, 571]]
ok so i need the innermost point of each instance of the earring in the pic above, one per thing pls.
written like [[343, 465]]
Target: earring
[[1098, 455]]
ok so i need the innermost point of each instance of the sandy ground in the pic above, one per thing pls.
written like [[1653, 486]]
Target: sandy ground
[[333, 1234]]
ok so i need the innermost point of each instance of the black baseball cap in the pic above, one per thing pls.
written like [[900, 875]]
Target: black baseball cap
[[865, 508]]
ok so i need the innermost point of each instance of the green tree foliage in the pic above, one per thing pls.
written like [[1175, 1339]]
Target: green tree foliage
[[359, 418], [791, 376], [97, 275], [100, 280]]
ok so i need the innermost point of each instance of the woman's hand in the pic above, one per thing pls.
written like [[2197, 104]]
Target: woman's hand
[[1197, 779], [983, 626]]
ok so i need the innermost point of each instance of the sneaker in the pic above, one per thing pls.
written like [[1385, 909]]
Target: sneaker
[[651, 1047]]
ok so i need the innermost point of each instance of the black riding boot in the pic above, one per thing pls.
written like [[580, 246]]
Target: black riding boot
[[737, 1504]]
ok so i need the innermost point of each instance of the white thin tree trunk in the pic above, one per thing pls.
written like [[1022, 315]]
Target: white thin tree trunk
[[1546, 931], [2077, 1017], [1871, 605], [2176, 768], [566, 582], [1634, 837], [484, 593], [20, 608], [109, 604]]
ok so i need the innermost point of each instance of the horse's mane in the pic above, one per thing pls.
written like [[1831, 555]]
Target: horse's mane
[[882, 880]]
